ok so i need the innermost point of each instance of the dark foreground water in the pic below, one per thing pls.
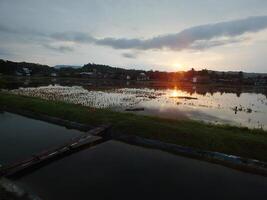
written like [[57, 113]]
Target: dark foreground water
[[115, 170], [20, 137]]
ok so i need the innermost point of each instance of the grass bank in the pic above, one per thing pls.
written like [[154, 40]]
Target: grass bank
[[226, 139], [2, 82]]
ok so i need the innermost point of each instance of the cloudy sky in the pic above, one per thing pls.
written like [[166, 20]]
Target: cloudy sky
[[167, 35]]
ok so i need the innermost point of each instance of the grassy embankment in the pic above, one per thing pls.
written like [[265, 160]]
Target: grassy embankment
[[2, 82], [226, 139]]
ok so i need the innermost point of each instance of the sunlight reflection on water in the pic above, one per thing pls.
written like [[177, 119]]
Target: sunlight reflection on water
[[246, 109]]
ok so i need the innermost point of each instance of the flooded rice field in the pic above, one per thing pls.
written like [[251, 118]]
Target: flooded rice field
[[116, 169], [22, 137], [221, 106]]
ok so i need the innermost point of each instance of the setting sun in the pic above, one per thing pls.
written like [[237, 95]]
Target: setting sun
[[174, 93], [177, 66]]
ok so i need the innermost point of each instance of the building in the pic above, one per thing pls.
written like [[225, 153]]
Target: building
[[53, 74], [260, 82], [87, 74], [18, 73], [201, 79], [142, 77], [26, 71]]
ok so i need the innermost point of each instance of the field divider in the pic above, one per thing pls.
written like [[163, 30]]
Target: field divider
[[89, 139], [232, 161]]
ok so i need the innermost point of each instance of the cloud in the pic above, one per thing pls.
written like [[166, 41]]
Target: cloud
[[204, 44], [61, 48], [187, 38], [78, 37], [20, 31], [4, 52], [130, 55], [6, 29], [196, 38]]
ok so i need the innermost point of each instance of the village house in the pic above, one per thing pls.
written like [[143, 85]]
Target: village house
[[87, 74], [201, 79], [260, 82], [18, 73], [142, 77], [53, 74], [26, 71]]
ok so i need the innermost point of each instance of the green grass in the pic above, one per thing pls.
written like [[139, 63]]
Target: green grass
[[226, 139], [2, 82]]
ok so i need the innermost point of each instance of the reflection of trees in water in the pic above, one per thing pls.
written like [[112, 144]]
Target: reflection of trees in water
[[204, 90], [25, 82], [16, 82]]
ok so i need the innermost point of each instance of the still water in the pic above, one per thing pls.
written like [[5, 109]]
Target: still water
[[21, 137], [232, 106], [115, 170]]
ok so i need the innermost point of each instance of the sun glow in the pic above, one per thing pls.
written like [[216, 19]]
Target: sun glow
[[174, 93], [177, 66]]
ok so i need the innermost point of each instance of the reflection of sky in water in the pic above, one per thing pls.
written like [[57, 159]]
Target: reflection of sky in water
[[251, 109], [248, 109]]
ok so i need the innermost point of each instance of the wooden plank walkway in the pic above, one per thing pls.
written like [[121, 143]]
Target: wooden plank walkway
[[91, 138]]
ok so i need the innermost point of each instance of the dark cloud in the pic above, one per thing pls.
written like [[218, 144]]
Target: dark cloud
[[42, 38], [186, 38], [203, 44], [73, 36], [130, 55], [61, 48], [197, 37], [6, 29]]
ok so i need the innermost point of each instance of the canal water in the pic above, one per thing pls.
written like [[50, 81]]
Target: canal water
[[21, 137], [115, 170]]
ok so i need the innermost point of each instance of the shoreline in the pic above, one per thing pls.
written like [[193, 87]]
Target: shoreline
[[120, 83]]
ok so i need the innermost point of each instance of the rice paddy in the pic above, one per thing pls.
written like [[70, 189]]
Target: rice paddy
[[247, 109], [220, 138]]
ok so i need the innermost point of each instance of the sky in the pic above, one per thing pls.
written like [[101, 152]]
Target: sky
[[166, 35]]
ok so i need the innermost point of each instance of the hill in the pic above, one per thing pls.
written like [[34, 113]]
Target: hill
[[67, 66], [16, 68]]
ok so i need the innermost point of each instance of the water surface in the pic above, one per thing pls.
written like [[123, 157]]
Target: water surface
[[115, 170], [21, 137], [246, 108]]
